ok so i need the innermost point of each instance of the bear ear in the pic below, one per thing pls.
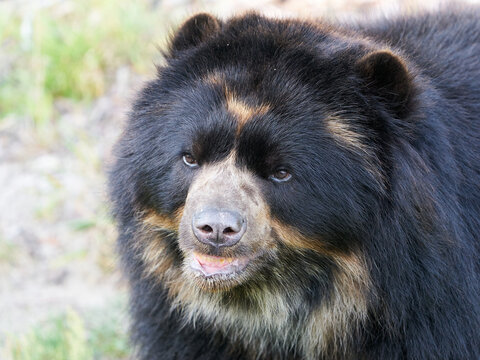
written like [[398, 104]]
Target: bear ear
[[386, 75], [194, 31]]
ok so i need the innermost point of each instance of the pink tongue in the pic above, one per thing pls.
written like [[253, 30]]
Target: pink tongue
[[210, 268]]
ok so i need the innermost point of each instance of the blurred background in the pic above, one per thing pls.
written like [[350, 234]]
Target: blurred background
[[68, 71]]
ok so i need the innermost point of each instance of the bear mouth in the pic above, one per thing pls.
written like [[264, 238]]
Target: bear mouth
[[217, 267]]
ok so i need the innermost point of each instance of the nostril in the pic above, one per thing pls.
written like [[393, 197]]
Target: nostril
[[229, 231], [206, 228]]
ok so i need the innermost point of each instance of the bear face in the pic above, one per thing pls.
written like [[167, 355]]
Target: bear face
[[273, 185], [248, 124]]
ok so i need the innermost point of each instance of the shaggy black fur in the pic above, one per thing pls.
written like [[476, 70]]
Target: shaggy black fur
[[401, 186]]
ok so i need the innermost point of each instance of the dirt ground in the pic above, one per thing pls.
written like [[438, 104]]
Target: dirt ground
[[56, 235]]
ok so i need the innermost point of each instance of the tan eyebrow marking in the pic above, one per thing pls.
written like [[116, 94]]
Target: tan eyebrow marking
[[243, 112], [342, 132]]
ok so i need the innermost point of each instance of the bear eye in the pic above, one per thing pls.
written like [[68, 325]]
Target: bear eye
[[280, 175], [189, 160]]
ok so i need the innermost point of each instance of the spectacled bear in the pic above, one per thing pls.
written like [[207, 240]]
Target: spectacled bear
[[288, 189]]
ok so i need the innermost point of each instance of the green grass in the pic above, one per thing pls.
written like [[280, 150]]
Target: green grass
[[98, 334], [71, 50]]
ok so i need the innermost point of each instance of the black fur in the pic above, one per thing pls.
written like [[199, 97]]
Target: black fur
[[406, 193]]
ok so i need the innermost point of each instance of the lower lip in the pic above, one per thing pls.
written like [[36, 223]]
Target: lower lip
[[215, 265]]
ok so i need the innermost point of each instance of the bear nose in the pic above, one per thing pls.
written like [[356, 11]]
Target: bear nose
[[218, 228]]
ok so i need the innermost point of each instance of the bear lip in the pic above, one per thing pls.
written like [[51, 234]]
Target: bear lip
[[216, 265]]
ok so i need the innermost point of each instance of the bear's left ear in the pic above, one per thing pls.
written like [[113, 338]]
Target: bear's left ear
[[386, 75], [194, 31]]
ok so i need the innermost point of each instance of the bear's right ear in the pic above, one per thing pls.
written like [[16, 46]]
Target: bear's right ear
[[194, 31]]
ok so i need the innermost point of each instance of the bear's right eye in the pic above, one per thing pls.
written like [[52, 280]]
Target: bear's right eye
[[190, 160]]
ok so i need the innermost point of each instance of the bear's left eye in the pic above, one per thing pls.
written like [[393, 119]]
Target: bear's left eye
[[280, 175]]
